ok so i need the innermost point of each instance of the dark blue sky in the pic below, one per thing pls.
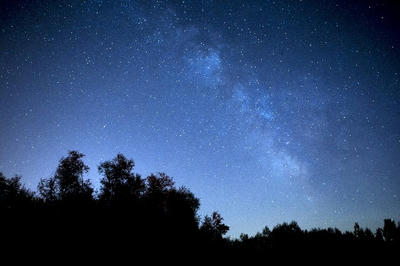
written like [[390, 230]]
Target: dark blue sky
[[269, 111]]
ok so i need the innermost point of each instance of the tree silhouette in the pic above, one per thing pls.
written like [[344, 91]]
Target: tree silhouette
[[13, 194], [67, 185], [119, 183], [286, 234], [151, 213], [390, 231], [159, 184], [182, 206], [158, 188], [48, 189], [358, 232], [213, 227], [379, 235]]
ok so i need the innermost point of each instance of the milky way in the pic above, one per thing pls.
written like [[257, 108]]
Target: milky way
[[269, 111]]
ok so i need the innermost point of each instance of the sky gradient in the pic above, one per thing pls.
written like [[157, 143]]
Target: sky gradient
[[268, 111]]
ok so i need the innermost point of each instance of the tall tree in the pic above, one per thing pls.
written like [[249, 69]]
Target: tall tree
[[119, 183], [68, 184], [389, 230]]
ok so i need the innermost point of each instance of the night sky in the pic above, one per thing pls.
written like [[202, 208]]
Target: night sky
[[268, 111]]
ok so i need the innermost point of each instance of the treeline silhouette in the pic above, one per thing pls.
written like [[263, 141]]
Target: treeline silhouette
[[147, 213]]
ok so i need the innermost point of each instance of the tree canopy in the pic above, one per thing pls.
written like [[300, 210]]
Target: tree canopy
[[150, 210]]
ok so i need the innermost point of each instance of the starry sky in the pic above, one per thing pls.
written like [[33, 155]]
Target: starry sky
[[268, 111]]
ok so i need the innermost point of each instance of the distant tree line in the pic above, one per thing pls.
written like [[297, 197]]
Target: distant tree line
[[146, 212]]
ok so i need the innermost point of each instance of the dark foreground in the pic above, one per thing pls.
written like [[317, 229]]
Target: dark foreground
[[130, 215]]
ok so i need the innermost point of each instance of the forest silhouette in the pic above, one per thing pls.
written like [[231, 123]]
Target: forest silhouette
[[148, 213]]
